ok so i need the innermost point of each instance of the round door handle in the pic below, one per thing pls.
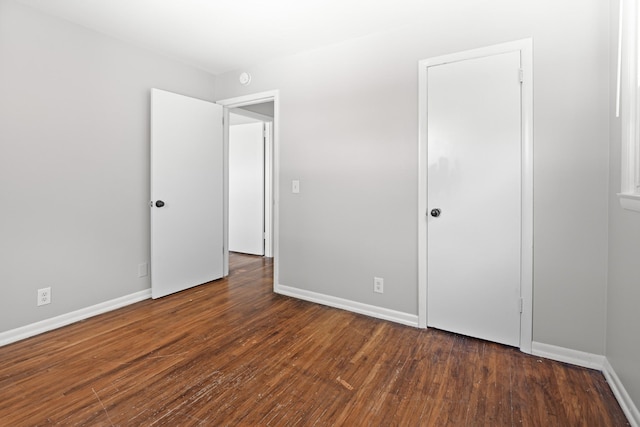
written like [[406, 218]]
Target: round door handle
[[435, 212], [159, 204]]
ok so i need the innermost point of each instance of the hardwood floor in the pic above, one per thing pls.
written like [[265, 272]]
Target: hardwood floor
[[233, 353]]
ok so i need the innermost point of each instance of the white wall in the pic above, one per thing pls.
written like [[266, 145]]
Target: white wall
[[74, 168], [348, 132], [623, 293]]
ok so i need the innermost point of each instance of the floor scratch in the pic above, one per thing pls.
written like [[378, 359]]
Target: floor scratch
[[101, 404], [168, 355], [344, 383]]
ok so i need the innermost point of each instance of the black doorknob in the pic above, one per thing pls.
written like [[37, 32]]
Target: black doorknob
[[159, 204], [435, 212]]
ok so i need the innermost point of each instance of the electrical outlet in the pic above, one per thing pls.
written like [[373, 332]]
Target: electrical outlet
[[44, 296], [378, 285], [143, 269]]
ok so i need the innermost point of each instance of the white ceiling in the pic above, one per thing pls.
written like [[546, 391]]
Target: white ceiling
[[225, 35]]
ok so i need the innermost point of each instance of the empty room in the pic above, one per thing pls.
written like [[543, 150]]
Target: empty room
[[445, 217]]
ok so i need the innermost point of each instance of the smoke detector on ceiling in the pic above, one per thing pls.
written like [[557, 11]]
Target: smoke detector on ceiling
[[244, 78]]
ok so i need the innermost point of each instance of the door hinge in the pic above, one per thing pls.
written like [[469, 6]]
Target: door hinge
[[521, 75], [521, 304]]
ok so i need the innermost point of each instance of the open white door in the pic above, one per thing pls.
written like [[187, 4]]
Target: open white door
[[186, 192]]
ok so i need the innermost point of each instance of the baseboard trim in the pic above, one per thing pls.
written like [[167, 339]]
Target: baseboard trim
[[47, 325], [345, 304], [623, 398], [593, 361], [567, 355]]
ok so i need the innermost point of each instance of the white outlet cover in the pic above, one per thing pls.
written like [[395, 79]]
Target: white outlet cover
[[378, 285], [44, 296], [143, 269]]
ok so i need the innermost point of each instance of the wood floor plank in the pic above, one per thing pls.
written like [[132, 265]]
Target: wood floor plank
[[233, 353]]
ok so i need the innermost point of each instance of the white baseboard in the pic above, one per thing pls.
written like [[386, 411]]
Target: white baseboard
[[627, 405], [593, 361], [566, 355], [344, 304], [46, 325], [561, 354]]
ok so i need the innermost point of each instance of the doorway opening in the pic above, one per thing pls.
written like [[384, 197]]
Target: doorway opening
[[261, 108], [250, 140]]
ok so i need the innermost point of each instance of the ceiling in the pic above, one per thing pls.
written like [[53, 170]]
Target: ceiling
[[226, 35]]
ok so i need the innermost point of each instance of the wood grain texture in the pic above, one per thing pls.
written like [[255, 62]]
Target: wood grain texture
[[233, 353]]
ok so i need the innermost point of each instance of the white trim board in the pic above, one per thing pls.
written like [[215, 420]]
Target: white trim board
[[548, 351], [623, 398], [250, 114], [525, 47], [353, 306], [592, 361], [47, 325], [274, 162], [566, 355], [629, 201]]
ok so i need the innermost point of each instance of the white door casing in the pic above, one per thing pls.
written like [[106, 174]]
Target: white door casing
[[238, 116], [475, 166], [272, 174], [187, 176]]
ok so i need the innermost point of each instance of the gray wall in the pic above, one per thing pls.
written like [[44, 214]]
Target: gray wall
[[265, 108], [74, 168], [623, 292], [74, 160], [348, 132]]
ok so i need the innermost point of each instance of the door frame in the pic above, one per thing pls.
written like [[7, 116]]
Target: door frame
[[525, 47], [272, 160]]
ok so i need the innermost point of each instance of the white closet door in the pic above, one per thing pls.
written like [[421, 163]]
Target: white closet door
[[474, 197]]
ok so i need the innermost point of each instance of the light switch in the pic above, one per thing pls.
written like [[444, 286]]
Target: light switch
[[295, 186]]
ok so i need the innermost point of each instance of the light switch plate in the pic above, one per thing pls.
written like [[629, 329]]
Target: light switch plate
[[295, 186]]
